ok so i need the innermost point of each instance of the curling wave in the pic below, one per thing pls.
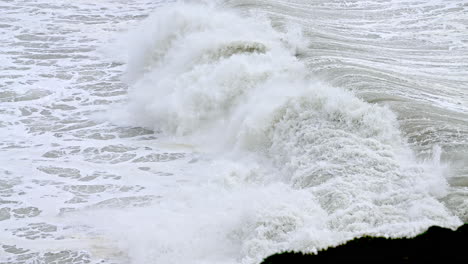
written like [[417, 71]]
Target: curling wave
[[318, 166]]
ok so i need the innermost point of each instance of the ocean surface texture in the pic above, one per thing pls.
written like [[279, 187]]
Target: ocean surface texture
[[221, 132]]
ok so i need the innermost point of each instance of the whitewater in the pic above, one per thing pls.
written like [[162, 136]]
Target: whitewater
[[226, 131]]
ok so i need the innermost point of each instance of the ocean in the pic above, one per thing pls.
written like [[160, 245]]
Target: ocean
[[226, 131]]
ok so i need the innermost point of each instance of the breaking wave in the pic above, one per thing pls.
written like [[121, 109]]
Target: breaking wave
[[291, 163]]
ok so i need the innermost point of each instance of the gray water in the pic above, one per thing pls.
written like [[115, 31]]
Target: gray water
[[409, 55], [84, 180]]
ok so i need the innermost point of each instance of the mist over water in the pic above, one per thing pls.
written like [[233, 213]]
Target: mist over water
[[201, 132]]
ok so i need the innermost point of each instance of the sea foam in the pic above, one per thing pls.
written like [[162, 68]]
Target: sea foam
[[290, 163]]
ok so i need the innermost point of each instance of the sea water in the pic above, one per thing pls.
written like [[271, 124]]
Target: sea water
[[225, 131]]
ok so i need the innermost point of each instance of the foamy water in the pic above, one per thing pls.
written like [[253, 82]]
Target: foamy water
[[162, 132]]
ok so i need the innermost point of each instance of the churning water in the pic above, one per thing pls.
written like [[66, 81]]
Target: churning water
[[225, 131]]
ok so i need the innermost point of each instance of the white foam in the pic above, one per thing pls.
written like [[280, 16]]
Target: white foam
[[298, 165]]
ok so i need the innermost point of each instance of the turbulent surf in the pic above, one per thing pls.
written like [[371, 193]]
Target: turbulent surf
[[226, 132]]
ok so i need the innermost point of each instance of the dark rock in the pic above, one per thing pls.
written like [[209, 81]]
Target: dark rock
[[436, 245]]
